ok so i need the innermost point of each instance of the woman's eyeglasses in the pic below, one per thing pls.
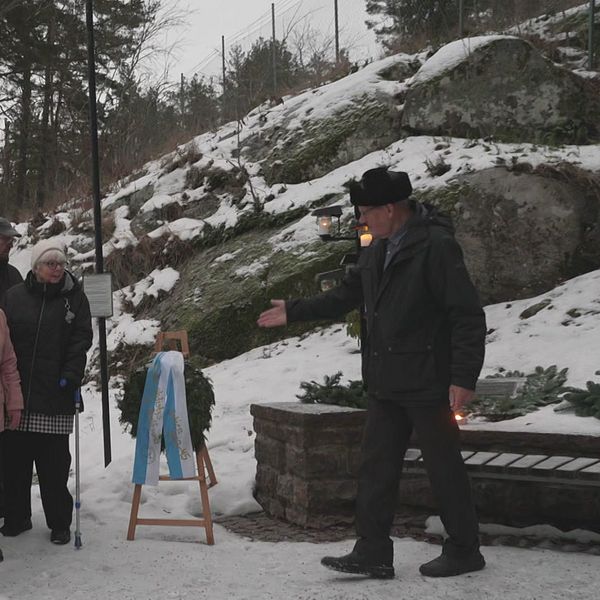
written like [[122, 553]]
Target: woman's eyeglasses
[[53, 264]]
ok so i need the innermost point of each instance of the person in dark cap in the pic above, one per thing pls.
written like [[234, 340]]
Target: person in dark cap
[[422, 355], [9, 276]]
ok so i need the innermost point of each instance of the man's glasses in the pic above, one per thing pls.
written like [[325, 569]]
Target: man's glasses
[[53, 264], [362, 212]]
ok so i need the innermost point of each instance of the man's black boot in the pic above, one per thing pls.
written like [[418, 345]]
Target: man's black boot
[[358, 564], [60, 536], [14, 529], [449, 566]]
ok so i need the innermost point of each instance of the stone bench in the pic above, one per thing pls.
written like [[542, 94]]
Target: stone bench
[[541, 468], [521, 478]]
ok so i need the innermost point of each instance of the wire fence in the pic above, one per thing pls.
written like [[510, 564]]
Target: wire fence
[[307, 27]]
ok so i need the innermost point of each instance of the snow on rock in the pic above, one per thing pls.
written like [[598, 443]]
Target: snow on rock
[[227, 256], [157, 202], [130, 188], [452, 54], [185, 229], [252, 270], [160, 280], [129, 331]]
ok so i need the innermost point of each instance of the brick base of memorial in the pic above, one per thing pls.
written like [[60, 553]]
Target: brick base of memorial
[[308, 458], [307, 461]]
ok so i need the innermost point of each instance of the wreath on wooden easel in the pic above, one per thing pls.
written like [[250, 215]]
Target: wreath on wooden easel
[[199, 396]]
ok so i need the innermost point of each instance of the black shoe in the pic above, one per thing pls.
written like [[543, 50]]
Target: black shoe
[[449, 566], [60, 536], [1, 556], [358, 565], [14, 529]]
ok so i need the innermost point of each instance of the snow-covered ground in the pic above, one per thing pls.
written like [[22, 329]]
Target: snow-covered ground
[[176, 563]]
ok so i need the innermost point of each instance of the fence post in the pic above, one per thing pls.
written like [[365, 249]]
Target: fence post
[[337, 32], [591, 36], [274, 51], [182, 100], [223, 97]]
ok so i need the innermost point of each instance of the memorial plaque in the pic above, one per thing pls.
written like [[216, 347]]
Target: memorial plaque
[[98, 289]]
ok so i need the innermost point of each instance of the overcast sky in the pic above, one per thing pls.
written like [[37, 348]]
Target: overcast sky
[[199, 41]]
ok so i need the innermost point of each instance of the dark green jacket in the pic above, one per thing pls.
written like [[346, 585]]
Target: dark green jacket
[[51, 331], [425, 325]]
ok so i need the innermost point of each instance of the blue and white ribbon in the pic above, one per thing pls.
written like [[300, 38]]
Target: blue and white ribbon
[[164, 411]]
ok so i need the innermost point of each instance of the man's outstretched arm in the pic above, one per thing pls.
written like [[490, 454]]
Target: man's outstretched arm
[[275, 316]]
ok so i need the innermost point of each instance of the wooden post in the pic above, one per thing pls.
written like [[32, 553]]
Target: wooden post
[[337, 31]]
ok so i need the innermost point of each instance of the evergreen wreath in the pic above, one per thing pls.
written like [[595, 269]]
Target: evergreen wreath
[[199, 395]]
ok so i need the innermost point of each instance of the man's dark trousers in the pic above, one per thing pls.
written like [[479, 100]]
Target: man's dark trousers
[[52, 458], [386, 437]]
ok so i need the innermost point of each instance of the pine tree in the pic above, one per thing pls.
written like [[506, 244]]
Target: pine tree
[[43, 82], [407, 18]]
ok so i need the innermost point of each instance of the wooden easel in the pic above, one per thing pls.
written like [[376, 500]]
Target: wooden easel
[[205, 477], [167, 340]]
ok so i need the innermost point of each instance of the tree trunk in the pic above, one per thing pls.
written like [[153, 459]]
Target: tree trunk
[[6, 169], [25, 125], [44, 143]]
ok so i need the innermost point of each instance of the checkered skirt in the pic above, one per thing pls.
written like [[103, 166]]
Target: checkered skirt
[[56, 424]]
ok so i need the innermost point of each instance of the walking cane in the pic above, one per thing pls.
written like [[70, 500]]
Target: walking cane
[[77, 492], [63, 383]]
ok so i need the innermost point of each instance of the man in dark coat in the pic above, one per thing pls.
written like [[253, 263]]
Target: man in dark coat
[[9, 276], [422, 355]]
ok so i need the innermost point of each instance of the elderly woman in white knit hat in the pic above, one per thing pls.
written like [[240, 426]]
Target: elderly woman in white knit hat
[[50, 326]]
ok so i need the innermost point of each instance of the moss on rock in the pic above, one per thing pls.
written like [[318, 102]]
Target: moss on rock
[[218, 303], [324, 144]]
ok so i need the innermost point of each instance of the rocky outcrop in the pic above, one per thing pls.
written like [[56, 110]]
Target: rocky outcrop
[[328, 127], [323, 145], [502, 87], [524, 233], [223, 289]]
